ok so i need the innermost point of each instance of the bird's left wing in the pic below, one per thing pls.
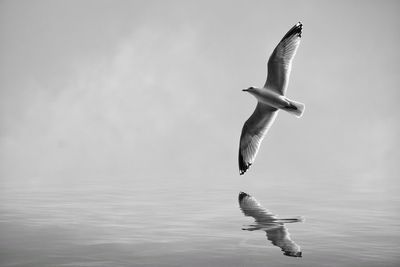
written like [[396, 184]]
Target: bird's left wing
[[280, 61], [253, 132]]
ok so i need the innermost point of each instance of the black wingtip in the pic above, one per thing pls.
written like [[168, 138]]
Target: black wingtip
[[297, 254], [298, 28], [295, 30], [243, 166], [242, 195]]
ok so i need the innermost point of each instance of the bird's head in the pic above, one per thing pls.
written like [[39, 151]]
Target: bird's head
[[250, 89]]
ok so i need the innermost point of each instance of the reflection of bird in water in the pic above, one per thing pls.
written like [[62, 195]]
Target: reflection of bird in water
[[271, 98], [276, 231]]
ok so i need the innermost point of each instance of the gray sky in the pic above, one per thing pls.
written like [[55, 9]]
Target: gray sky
[[152, 89]]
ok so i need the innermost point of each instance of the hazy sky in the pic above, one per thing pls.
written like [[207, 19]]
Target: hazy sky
[[152, 89]]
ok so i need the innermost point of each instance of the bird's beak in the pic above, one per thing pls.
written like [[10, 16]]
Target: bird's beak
[[245, 90]]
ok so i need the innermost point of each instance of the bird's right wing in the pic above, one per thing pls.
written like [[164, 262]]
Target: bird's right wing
[[280, 61], [280, 237], [253, 132]]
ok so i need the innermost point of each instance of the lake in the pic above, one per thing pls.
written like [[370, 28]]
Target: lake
[[174, 222]]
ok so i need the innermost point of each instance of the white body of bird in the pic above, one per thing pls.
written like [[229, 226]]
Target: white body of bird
[[275, 100]]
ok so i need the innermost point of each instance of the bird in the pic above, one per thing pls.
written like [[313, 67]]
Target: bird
[[274, 227], [271, 98]]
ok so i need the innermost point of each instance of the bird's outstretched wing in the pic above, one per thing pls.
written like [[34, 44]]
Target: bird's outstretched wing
[[280, 61], [280, 237], [250, 207], [253, 132]]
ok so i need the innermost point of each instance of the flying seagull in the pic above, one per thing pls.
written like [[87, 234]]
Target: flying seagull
[[274, 227], [271, 98]]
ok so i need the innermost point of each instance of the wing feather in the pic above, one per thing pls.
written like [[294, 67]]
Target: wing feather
[[250, 207], [253, 132], [280, 237], [280, 61]]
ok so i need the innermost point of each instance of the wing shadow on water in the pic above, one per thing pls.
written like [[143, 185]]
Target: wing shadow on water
[[275, 228]]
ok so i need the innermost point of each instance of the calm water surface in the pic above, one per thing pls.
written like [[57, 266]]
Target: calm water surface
[[178, 223]]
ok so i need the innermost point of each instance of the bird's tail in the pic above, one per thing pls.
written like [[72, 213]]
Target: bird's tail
[[295, 108], [290, 220]]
